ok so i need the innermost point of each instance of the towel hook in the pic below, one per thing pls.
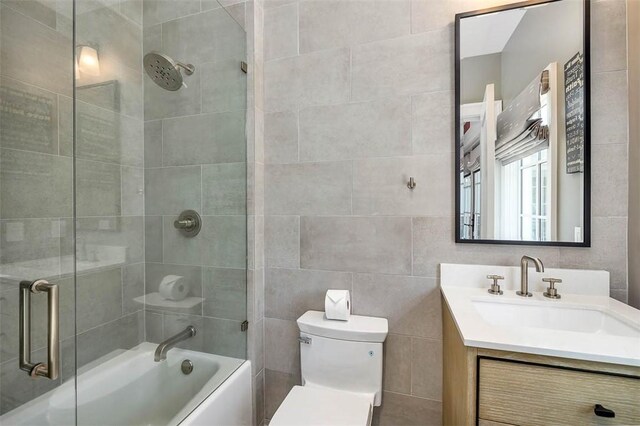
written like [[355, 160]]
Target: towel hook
[[412, 183]]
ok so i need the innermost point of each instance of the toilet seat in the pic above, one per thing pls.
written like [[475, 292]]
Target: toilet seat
[[305, 405]]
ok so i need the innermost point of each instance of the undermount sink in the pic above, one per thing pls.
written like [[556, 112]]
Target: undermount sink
[[558, 317]]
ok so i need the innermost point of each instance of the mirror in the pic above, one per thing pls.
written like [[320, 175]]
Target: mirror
[[522, 124]]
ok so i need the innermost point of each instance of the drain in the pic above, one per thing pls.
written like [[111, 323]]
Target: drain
[[186, 366]]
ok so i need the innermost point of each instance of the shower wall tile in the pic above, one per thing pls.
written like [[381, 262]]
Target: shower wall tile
[[314, 79], [94, 234], [29, 117], [282, 348], [155, 272], [153, 238], [432, 120], [48, 178], [345, 131], [42, 11], [65, 126], [308, 188], [281, 137], [29, 239], [204, 139], [282, 236], [224, 86], [224, 189], [286, 299], [132, 287], [213, 36], [281, 32], [224, 337], [334, 23], [35, 53], [173, 324], [98, 298], [98, 189], [160, 103], [158, 11], [121, 46], [400, 66], [358, 244], [255, 347], [170, 190], [381, 186], [152, 38], [225, 293], [153, 143], [132, 191], [221, 243], [132, 9]]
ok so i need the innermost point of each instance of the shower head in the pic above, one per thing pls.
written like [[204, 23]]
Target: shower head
[[164, 71]]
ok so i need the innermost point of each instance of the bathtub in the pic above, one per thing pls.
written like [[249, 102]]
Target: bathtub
[[127, 387]]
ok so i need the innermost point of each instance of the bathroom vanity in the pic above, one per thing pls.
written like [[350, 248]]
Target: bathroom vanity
[[535, 360]]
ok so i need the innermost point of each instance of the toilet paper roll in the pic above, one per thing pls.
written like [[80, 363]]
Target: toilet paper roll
[[174, 287], [337, 305]]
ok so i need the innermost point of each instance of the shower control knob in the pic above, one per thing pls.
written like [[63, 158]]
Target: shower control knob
[[189, 223]]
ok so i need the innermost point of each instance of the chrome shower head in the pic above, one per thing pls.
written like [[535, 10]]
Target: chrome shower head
[[164, 71]]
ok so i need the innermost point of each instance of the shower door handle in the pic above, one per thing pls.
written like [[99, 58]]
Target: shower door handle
[[51, 369]]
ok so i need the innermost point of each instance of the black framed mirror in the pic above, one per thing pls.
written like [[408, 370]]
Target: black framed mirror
[[522, 138]]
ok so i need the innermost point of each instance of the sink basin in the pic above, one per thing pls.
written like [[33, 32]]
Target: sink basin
[[559, 317]]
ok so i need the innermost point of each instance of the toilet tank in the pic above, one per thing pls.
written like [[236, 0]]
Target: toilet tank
[[343, 355]]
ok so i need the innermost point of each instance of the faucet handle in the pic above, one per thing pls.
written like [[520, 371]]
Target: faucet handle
[[552, 291], [495, 287]]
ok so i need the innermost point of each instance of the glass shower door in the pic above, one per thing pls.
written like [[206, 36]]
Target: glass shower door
[[37, 262]]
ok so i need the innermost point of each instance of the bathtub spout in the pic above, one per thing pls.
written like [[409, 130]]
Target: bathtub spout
[[163, 348]]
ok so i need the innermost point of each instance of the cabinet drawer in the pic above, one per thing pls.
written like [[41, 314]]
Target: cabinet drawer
[[529, 394]]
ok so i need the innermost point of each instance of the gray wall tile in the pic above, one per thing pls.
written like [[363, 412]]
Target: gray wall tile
[[224, 189], [170, 190], [204, 139], [356, 244], [609, 108], [397, 364], [99, 298], [341, 132], [276, 387], [400, 66], [224, 86], [132, 191], [282, 237], [398, 409], [289, 293], [158, 11], [333, 23], [192, 277], [411, 304], [382, 186], [281, 32], [224, 337], [132, 287], [608, 35], [153, 238], [432, 129], [225, 293], [313, 79], [609, 180], [426, 368], [429, 15], [282, 349], [153, 143], [93, 232], [161, 103], [98, 189], [308, 188], [281, 137]]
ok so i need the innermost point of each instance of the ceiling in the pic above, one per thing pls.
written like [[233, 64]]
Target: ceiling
[[488, 34]]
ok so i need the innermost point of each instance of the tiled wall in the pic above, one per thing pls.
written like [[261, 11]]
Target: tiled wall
[[195, 158], [358, 98], [633, 32], [36, 181]]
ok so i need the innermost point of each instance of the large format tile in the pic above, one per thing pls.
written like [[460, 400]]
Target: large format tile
[[367, 129], [333, 23], [432, 128], [276, 387], [426, 368], [224, 86], [204, 139], [281, 137], [35, 53], [158, 11], [429, 15], [98, 189], [132, 287], [411, 304], [381, 186], [132, 191], [609, 108], [282, 241], [42, 11], [403, 66], [359, 244], [221, 243], [153, 143], [289, 293], [170, 190], [397, 364], [609, 180], [48, 179], [99, 298], [153, 238], [608, 35], [96, 237], [312, 79], [224, 337], [433, 243], [224, 189], [308, 188], [225, 293], [281, 32], [28, 118], [405, 410], [282, 349], [29, 239], [160, 103]]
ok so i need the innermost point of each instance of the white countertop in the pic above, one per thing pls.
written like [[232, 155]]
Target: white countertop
[[464, 288]]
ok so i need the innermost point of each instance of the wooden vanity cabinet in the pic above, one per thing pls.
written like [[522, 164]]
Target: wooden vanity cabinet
[[497, 388]]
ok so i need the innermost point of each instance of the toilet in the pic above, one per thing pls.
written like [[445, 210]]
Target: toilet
[[341, 363]]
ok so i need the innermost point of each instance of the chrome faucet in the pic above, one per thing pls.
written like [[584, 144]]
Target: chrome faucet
[[163, 348], [524, 274]]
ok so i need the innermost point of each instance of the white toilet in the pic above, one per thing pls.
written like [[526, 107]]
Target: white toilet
[[341, 365]]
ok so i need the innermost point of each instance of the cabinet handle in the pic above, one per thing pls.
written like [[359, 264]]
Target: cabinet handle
[[600, 411]]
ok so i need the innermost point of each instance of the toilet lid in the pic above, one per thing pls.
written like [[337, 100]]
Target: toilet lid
[[306, 405]]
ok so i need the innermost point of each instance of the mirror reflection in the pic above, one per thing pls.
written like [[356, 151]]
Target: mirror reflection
[[521, 93]]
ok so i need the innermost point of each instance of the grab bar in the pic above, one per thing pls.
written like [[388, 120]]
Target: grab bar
[[52, 368]]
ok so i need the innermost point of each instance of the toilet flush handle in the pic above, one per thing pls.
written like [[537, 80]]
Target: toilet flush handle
[[305, 339]]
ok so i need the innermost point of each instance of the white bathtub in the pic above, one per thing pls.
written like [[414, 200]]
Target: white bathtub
[[129, 388]]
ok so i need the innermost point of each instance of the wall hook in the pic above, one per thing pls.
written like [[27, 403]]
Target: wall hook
[[412, 183]]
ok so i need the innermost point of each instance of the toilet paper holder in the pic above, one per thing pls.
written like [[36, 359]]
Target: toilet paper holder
[[188, 223]]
